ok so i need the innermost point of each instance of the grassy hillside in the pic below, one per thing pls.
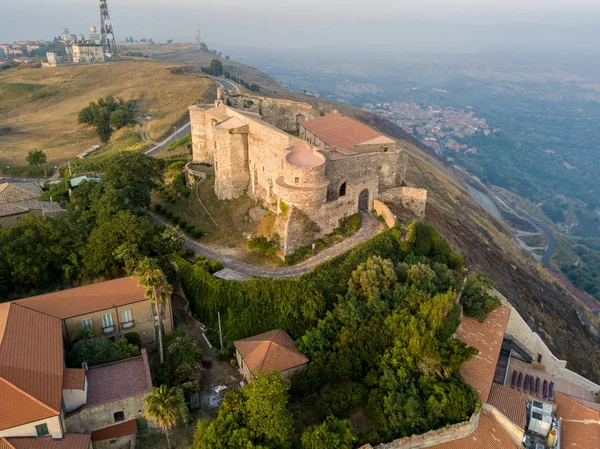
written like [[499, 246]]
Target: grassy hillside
[[40, 106]]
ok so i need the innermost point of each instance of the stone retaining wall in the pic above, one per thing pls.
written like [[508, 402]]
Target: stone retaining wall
[[383, 211], [433, 437], [412, 199]]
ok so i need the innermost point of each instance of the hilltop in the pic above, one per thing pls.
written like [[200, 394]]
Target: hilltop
[[487, 244], [40, 106]]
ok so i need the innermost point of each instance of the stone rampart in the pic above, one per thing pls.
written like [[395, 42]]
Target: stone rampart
[[433, 437], [383, 211], [284, 114], [518, 330], [410, 198]]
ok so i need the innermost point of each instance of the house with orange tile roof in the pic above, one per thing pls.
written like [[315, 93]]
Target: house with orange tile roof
[[111, 309], [579, 422], [44, 404], [269, 352], [300, 164]]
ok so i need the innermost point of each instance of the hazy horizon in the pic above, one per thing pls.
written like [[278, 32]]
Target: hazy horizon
[[433, 26]]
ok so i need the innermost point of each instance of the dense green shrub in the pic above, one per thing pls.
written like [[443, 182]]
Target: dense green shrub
[[210, 265], [196, 233], [158, 208], [134, 338], [179, 184], [340, 401], [250, 307], [299, 255], [475, 299], [350, 225], [263, 245]]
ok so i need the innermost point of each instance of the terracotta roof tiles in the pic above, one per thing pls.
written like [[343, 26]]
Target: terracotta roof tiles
[[87, 299], [117, 431], [271, 351], [337, 130], [487, 337], [69, 441], [11, 192], [31, 365], [580, 424], [74, 379], [510, 402]]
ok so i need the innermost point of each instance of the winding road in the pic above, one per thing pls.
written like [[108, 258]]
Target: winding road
[[369, 229]]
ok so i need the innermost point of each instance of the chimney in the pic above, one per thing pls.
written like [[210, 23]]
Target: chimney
[[84, 365]]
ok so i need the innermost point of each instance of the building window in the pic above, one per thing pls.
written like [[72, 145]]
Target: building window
[[119, 416], [42, 429], [343, 189], [296, 180], [126, 318], [107, 322], [87, 322]]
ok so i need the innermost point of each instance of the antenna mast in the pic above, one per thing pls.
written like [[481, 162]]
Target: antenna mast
[[199, 38], [106, 30]]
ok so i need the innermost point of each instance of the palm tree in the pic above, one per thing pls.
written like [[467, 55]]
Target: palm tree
[[158, 291], [165, 406]]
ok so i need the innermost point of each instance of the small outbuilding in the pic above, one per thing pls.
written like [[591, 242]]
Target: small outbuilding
[[268, 352]]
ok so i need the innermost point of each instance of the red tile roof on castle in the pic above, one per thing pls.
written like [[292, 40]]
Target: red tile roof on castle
[[510, 402], [271, 351], [580, 422], [69, 441], [87, 299], [487, 337], [488, 435], [113, 432], [31, 366], [337, 130]]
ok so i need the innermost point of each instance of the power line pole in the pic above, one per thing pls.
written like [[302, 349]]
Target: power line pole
[[220, 331]]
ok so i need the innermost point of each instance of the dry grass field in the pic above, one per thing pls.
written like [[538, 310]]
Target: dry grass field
[[41, 105]]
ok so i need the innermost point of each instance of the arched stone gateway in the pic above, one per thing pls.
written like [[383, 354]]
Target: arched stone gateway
[[343, 190], [363, 201]]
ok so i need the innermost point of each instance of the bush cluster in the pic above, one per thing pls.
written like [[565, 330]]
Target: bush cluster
[[263, 245], [186, 227], [340, 401]]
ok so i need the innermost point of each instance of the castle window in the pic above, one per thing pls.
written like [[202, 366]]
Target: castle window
[[385, 149], [296, 180], [343, 189], [215, 144]]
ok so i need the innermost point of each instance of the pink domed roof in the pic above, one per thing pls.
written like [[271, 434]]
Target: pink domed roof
[[303, 156]]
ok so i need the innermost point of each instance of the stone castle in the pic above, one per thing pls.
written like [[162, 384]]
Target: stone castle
[[311, 169]]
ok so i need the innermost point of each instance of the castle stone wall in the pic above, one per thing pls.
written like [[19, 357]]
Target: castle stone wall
[[284, 114], [410, 198], [383, 211], [232, 175], [385, 167]]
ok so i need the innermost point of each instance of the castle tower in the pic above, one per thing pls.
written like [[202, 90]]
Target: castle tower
[[232, 173]]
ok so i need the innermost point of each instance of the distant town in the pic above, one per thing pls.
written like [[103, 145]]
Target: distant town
[[440, 128]]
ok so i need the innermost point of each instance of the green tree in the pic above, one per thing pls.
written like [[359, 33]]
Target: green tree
[[117, 119], [95, 351], [126, 349], [372, 277], [135, 175], [37, 253], [157, 290], [165, 407], [217, 67], [85, 116], [266, 413], [333, 433], [106, 242], [475, 298], [36, 157]]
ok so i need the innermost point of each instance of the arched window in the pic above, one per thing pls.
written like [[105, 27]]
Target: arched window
[[343, 189]]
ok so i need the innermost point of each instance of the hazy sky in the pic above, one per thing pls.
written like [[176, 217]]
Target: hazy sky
[[306, 23]]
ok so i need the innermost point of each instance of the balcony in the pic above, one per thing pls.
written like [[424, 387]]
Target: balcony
[[127, 324], [108, 330]]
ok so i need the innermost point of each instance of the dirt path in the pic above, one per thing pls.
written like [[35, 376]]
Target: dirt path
[[217, 373], [369, 229]]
